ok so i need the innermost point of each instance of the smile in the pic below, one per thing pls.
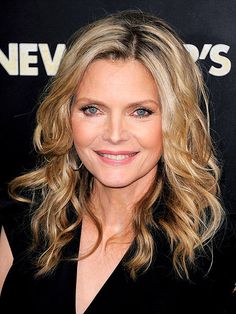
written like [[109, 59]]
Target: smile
[[117, 159]]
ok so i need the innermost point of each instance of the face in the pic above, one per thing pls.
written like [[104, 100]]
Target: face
[[116, 123]]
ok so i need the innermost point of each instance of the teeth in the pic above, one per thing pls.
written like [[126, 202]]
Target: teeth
[[116, 157]]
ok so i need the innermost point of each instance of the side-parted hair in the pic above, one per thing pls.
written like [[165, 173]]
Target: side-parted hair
[[188, 166]]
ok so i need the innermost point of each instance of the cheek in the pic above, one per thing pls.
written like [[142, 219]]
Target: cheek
[[151, 137], [82, 134]]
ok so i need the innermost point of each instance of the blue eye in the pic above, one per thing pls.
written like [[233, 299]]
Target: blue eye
[[92, 110], [144, 112], [89, 110]]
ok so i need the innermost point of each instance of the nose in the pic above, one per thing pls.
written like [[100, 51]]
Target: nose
[[116, 129]]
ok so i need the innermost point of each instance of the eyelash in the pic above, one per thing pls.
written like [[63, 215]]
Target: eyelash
[[83, 109]]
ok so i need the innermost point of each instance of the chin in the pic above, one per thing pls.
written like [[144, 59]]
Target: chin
[[115, 183]]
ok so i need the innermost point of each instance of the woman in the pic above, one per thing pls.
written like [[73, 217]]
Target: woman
[[122, 215]]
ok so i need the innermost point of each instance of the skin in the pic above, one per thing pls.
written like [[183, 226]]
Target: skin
[[6, 257], [116, 126]]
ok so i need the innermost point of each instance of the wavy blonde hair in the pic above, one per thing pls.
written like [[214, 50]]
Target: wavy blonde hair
[[188, 165]]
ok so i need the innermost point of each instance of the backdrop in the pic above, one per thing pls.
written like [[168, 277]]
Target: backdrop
[[33, 35]]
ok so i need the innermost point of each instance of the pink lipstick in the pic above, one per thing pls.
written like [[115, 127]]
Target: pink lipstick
[[116, 157]]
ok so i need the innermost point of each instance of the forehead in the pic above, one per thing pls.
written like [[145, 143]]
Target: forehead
[[116, 79]]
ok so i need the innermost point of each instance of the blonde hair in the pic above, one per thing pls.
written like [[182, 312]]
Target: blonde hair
[[188, 166]]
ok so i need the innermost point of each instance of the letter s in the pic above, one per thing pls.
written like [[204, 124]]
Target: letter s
[[222, 60]]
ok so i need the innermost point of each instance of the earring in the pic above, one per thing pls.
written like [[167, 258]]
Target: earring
[[81, 164], [72, 167]]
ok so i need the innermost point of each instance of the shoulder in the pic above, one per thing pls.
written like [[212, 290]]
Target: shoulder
[[214, 277]]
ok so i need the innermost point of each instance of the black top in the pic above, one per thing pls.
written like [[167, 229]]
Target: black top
[[158, 291]]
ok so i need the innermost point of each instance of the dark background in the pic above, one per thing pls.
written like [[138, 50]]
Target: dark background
[[52, 22]]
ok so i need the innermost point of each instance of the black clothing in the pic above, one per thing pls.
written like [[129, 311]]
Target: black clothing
[[158, 291]]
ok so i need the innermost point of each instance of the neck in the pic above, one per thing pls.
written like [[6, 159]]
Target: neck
[[115, 206]]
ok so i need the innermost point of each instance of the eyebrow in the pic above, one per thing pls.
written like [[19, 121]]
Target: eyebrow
[[138, 102]]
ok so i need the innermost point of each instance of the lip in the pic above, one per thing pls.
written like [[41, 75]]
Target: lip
[[120, 152], [113, 162]]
